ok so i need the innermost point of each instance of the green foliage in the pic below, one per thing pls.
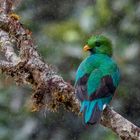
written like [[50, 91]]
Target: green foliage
[[66, 31], [103, 10]]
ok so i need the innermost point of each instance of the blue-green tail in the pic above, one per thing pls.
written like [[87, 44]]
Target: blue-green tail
[[92, 110]]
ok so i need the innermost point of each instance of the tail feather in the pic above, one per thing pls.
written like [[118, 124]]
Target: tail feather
[[91, 111], [96, 115]]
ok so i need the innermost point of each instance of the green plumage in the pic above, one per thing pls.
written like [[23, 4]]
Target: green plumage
[[96, 79]]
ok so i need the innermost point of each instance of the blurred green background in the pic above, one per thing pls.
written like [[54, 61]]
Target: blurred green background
[[60, 30]]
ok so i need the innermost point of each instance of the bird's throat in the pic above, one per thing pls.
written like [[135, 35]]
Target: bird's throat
[[92, 51]]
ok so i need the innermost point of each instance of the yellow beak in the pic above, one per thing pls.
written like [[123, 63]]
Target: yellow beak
[[86, 48]]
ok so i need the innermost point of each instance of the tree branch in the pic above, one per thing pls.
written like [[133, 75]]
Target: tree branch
[[6, 5], [49, 89], [7, 48], [5, 65], [121, 126]]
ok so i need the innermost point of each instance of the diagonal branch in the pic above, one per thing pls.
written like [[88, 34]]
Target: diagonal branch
[[121, 126], [49, 89]]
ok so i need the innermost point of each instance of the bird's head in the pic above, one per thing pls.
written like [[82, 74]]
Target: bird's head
[[99, 44]]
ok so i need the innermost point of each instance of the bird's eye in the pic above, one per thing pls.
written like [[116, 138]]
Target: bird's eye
[[97, 44]]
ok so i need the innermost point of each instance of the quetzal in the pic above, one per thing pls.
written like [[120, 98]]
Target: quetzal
[[97, 78]]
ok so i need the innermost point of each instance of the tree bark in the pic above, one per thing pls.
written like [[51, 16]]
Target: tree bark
[[49, 89]]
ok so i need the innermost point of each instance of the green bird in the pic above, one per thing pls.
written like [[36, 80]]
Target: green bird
[[97, 78]]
